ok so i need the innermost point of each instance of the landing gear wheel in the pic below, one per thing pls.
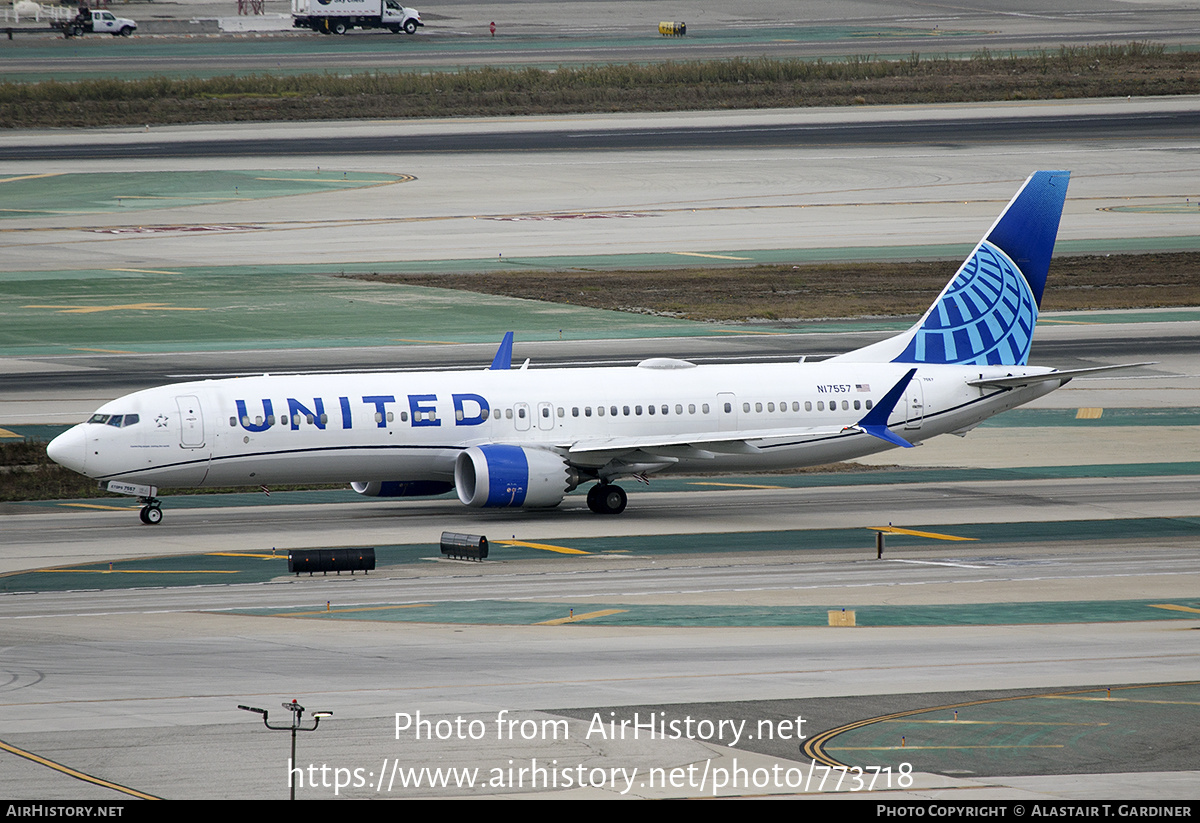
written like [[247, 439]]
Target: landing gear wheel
[[605, 498], [151, 515]]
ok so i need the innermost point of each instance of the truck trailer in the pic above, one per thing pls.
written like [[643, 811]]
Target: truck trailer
[[339, 16]]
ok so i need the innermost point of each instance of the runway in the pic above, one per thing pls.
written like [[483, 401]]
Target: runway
[[139, 685]]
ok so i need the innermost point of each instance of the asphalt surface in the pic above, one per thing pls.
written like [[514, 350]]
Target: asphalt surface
[[940, 132]]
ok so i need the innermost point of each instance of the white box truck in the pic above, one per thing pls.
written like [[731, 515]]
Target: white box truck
[[339, 16]]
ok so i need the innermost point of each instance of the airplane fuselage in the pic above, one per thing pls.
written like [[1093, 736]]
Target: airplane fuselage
[[412, 426]]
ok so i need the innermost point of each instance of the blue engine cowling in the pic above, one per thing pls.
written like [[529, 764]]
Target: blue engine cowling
[[507, 476], [402, 488]]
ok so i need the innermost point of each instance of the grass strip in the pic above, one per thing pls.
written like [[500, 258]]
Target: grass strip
[[1135, 69], [820, 291]]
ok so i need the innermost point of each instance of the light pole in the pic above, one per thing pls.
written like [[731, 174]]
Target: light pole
[[297, 714]]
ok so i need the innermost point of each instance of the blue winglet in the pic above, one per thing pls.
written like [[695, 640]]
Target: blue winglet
[[875, 422], [503, 358]]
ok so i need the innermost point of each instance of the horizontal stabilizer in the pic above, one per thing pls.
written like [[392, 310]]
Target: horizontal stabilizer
[[1015, 382]]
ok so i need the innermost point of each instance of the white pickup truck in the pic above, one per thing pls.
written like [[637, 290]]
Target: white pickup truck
[[99, 21], [339, 16]]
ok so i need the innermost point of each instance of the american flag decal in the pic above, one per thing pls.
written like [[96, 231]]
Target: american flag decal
[[862, 386]]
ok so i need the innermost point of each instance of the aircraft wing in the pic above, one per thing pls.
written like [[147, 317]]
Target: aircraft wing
[[743, 442]]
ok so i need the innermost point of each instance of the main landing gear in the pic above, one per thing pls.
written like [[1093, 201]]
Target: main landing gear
[[151, 513], [605, 498]]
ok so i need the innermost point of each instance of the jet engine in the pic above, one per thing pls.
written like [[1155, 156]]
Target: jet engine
[[402, 488], [509, 476]]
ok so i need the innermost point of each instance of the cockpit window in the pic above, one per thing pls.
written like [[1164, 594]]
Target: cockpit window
[[119, 421]]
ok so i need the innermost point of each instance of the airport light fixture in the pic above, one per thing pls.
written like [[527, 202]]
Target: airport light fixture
[[295, 726]]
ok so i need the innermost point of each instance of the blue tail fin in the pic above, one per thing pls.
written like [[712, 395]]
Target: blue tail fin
[[503, 358], [986, 314]]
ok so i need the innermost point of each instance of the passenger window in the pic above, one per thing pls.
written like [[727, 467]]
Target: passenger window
[[508, 413], [758, 407], [808, 405], [746, 407], [704, 408], [869, 404]]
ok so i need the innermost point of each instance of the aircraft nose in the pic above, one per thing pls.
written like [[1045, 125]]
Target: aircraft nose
[[69, 449]]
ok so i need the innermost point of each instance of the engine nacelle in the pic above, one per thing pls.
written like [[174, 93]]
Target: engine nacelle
[[506, 476], [402, 488]]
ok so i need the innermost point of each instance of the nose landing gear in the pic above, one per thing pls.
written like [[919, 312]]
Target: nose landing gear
[[151, 513]]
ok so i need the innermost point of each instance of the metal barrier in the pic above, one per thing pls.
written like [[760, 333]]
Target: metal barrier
[[464, 546], [331, 560]]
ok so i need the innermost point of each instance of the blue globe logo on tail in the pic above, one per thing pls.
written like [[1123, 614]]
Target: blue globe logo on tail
[[985, 316]]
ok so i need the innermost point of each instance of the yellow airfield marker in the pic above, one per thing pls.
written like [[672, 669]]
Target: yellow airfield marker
[[248, 554], [543, 546], [1172, 607], [1089, 414], [577, 617], [713, 256], [934, 535], [327, 610], [123, 307], [141, 571], [29, 177]]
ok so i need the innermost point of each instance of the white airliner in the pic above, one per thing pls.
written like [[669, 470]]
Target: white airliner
[[504, 437]]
